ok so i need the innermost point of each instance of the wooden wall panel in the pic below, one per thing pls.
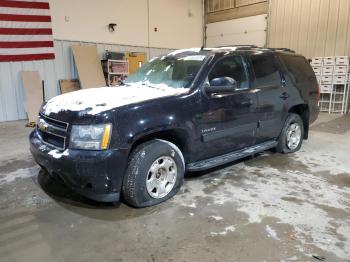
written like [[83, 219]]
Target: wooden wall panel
[[238, 12], [219, 5], [247, 2], [312, 27]]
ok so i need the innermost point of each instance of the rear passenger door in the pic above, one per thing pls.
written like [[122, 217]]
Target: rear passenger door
[[272, 96]]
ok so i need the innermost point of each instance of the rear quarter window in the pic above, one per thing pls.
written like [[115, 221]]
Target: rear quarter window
[[299, 70]]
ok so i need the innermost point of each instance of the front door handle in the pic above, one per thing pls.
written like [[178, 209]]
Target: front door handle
[[284, 95]]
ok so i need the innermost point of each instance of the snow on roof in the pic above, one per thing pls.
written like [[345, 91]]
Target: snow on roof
[[176, 52]]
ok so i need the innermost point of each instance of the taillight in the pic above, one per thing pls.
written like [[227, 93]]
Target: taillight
[[318, 93]]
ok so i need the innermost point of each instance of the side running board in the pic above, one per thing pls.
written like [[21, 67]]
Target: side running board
[[230, 157]]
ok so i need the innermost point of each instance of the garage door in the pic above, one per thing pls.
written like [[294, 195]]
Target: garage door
[[248, 30]]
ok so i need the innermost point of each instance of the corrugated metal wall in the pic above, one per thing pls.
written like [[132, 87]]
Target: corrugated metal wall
[[11, 90], [311, 27]]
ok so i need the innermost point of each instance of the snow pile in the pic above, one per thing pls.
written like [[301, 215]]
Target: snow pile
[[97, 100], [19, 174], [224, 233], [57, 154], [304, 199], [271, 233], [217, 218]]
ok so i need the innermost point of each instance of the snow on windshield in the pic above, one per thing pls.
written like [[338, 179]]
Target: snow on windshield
[[173, 71]]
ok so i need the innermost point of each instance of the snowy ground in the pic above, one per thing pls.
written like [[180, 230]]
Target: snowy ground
[[268, 208]]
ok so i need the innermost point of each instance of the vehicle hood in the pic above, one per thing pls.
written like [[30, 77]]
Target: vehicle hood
[[96, 100]]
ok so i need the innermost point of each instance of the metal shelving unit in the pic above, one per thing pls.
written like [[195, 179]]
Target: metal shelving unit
[[333, 76], [115, 71]]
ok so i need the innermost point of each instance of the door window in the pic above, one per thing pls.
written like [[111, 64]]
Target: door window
[[265, 69], [232, 66]]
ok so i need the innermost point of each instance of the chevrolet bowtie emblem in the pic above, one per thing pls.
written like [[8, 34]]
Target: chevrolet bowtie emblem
[[43, 126]]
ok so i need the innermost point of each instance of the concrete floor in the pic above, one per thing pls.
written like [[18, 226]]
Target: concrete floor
[[269, 208]]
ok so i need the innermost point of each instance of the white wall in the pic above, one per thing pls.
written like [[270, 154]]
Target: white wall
[[241, 31], [87, 20], [62, 67], [176, 28]]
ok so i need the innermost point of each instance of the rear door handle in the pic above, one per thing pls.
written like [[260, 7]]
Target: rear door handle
[[284, 95], [248, 102]]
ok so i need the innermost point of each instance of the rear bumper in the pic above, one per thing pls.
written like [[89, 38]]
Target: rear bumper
[[97, 175]]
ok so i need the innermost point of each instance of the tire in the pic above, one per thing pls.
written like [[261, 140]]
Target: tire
[[286, 144], [154, 174]]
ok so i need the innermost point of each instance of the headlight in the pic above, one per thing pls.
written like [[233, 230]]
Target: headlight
[[93, 137]]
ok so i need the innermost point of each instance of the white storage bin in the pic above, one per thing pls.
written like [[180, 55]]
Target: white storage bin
[[329, 61], [342, 60], [326, 80], [341, 70], [327, 70], [317, 70], [339, 79], [319, 78], [316, 61], [326, 88]]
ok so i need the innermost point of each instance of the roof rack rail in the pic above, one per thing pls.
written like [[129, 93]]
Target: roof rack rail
[[281, 49], [239, 46], [245, 47]]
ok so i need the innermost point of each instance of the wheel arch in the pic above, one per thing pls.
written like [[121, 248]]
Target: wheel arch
[[176, 136], [303, 111]]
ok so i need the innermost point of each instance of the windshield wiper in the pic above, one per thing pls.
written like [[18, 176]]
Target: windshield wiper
[[122, 83], [149, 85]]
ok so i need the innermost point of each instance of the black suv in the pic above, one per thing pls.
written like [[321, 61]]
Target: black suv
[[190, 110]]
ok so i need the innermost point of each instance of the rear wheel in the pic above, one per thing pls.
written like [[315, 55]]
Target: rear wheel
[[292, 135], [155, 173]]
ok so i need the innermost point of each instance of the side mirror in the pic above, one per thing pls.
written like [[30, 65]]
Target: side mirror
[[221, 85]]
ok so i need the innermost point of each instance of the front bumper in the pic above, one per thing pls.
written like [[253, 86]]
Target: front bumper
[[97, 175]]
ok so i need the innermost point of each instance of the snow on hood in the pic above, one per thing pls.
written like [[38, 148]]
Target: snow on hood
[[97, 100]]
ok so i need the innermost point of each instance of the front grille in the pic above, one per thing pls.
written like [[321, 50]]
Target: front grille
[[52, 131], [54, 122]]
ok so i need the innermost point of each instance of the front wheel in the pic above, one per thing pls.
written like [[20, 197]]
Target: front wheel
[[292, 135], [155, 173]]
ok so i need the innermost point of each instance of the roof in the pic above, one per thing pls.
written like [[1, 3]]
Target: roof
[[221, 49]]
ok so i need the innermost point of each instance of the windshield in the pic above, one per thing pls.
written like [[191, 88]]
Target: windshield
[[171, 71]]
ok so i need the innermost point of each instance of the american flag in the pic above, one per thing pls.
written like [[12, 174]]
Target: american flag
[[25, 30]]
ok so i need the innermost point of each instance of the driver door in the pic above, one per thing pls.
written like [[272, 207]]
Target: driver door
[[228, 121]]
